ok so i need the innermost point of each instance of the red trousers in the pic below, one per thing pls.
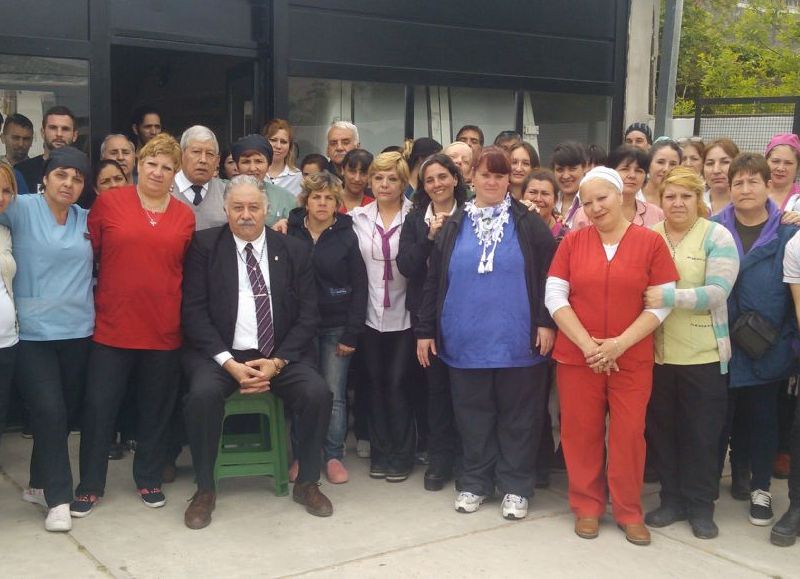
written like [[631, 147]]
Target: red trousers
[[585, 399]]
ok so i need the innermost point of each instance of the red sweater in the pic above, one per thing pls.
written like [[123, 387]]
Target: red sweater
[[608, 296], [138, 296]]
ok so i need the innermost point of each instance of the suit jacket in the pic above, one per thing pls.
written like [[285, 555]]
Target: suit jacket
[[211, 294]]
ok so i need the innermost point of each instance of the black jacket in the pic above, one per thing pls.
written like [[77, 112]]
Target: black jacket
[[537, 245], [412, 258], [211, 294], [340, 274]]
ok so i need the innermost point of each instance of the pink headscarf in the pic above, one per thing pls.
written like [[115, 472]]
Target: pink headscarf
[[788, 139]]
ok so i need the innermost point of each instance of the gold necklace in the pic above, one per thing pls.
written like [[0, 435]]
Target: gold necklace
[[674, 246]]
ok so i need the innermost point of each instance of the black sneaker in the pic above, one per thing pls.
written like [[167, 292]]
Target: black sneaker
[[153, 497], [785, 531], [761, 508], [82, 505], [377, 469], [27, 432]]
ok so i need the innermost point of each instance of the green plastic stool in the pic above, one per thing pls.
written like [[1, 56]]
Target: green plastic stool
[[259, 453]]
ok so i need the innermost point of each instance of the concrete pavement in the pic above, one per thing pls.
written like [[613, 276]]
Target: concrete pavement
[[378, 529]]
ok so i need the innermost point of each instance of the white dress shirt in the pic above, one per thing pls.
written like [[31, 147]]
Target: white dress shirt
[[184, 187], [395, 318], [245, 335]]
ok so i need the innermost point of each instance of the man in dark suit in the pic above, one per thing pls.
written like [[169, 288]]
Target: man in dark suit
[[249, 317]]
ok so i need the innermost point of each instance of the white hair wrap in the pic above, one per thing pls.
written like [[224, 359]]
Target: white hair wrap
[[605, 174]]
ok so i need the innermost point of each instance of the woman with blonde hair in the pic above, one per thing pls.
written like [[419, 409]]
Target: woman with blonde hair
[[282, 170], [140, 235], [388, 343], [692, 348]]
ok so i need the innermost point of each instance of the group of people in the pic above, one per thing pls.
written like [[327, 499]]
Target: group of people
[[653, 292]]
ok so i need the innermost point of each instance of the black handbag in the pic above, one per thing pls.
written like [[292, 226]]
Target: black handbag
[[753, 333]]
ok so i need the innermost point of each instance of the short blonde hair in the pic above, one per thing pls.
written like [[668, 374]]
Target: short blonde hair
[[314, 182], [687, 178], [8, 172], [162, 144], [391, 161]]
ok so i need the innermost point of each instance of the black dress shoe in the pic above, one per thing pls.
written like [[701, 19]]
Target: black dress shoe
[[704, 527], [435, 478], [398, 473], [664, 516], [785, 531], [377, 469]]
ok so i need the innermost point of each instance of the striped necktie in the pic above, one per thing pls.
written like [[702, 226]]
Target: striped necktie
[[266, 333]]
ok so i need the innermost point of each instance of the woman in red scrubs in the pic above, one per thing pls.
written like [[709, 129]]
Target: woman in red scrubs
[[604, 350]]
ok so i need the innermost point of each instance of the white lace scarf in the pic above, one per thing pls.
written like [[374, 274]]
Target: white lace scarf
[[488, 224]]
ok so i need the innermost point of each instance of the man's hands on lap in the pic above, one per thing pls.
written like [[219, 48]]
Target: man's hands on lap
[[253, 377]]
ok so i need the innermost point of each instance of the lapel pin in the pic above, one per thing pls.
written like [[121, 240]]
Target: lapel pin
[[276, 258]]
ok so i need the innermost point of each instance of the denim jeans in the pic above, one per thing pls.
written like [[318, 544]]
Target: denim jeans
[[334, 370]]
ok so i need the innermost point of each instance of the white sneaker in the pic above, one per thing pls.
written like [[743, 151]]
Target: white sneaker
[[468, 503], [515, 507], [363, 449], [58, 519], [35, 496]]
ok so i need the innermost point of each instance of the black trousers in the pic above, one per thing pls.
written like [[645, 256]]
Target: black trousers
[[499, 413], [303, 390], [794, 473], [753, 428], [545, 456], [52, 375], [443, 441], [388, 357], [787, 400], [8, 357], [686, 414], [155, 374]]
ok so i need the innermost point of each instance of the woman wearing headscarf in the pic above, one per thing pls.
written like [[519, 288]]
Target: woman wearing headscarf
[[687, 410], [633, 165], [483, 315], [604, 350], [783, 158], [55, 307]]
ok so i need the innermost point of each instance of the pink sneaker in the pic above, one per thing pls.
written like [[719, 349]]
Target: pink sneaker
[[293, 470], [336, 472]]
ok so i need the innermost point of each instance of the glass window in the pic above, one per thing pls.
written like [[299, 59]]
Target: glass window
[[557, 117], [492, 110], [422, 112], [378, 109], [29, 85], [379, 112]]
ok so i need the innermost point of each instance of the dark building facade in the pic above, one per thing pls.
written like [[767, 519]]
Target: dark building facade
[[551, 70]]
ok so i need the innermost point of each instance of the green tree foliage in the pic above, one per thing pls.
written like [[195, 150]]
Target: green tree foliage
[[731, 48]]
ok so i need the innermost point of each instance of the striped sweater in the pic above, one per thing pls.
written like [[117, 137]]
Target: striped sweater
[[722, 267]]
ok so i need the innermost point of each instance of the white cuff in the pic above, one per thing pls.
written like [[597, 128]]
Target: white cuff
[[223, 357]]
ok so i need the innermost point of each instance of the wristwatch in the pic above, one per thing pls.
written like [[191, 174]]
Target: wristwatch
[[279, 364]]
